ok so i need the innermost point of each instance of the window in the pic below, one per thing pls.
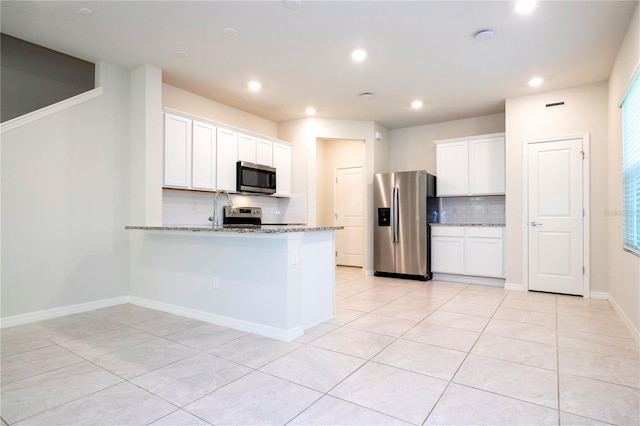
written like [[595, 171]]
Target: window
[[631, 167]]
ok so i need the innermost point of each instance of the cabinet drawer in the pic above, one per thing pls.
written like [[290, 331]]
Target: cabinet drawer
[[482, 231], [447, 231]]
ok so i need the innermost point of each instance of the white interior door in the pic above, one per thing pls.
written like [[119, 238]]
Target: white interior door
[[349, 212], [555, 217]]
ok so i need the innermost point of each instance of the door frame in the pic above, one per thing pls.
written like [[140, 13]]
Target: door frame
[[586, 241]]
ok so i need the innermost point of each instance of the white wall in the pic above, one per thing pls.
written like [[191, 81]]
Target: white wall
[[412, 148], [334, 154], [624, 268], [381, 157], [64, 203], [304, 133], [585, 111], [181, 100], [146, 147]]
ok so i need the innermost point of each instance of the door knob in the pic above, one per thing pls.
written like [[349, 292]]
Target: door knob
[[534, 224]]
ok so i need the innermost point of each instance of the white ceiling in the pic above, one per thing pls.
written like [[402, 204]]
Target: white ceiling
[[416, 50]]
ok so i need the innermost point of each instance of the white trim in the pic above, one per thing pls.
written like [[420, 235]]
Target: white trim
[[50, 109], [470, 138], [602, 295], [586, 237], [469, 279], [250, 327], [211, 122], [60, 312], [634, 331], [627, 86], [514, 287]]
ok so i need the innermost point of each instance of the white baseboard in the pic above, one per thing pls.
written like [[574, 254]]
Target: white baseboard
[[62, 311], [250, 327], [634, 331], [599, 295], [514, 287], [467, 279]]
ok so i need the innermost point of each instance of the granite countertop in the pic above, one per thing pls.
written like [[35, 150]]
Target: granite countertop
[[468, 224], [264, 229]]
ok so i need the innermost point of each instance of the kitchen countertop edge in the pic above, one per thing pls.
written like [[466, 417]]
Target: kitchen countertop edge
[[265, 229]]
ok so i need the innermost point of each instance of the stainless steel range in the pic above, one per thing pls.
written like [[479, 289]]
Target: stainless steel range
[[242, 217]]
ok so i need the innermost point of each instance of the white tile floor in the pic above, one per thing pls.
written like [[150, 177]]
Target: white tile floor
[[397, 352]]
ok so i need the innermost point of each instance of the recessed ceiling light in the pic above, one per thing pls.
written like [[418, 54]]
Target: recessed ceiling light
[[230, 32], [483, 35], [254, 85], [310, 111], [525, 6], [416, 104], [180, 54], [85, 12], [535, 81], [366, 95], [359, 55]]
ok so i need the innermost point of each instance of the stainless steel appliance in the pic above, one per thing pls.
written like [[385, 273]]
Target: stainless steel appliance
[[256, 178], [242, 217], [404, 204]]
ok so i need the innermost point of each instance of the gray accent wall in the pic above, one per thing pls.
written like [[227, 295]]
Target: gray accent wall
[[34, 77]]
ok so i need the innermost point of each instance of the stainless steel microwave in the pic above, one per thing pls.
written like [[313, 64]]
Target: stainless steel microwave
[[255, 178]]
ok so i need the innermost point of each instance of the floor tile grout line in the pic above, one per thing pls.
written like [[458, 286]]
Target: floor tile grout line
[[70, 401], [467, 353], [176, 411], [396, 338]]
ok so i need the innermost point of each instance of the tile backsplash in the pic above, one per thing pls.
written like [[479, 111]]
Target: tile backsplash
[[489, 209], [195, 208]]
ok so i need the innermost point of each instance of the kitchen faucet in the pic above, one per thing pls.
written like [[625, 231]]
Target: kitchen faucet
[[214, 218]]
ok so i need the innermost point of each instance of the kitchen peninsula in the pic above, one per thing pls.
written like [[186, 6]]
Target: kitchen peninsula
[[276, 281]]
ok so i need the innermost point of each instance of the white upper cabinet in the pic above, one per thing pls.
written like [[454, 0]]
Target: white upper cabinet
[[227, 158], [487, 166], [202, 155], [203, 175], [246, 148], [264, 152], [282, 164], [471, 166], [452, 161], [177, 151]]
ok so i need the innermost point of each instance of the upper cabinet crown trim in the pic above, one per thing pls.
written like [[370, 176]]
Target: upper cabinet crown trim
[[220, 124], [470, 138]]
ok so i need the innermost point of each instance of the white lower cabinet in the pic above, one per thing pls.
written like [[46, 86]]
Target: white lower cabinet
[[467, 250], [447, 249], [483, 252]]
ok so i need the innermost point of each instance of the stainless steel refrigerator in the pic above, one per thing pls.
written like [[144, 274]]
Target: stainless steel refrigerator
[[404, 204]]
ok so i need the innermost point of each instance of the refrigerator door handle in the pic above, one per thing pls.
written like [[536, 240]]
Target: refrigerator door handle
[[393, 214], [396, 215]]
